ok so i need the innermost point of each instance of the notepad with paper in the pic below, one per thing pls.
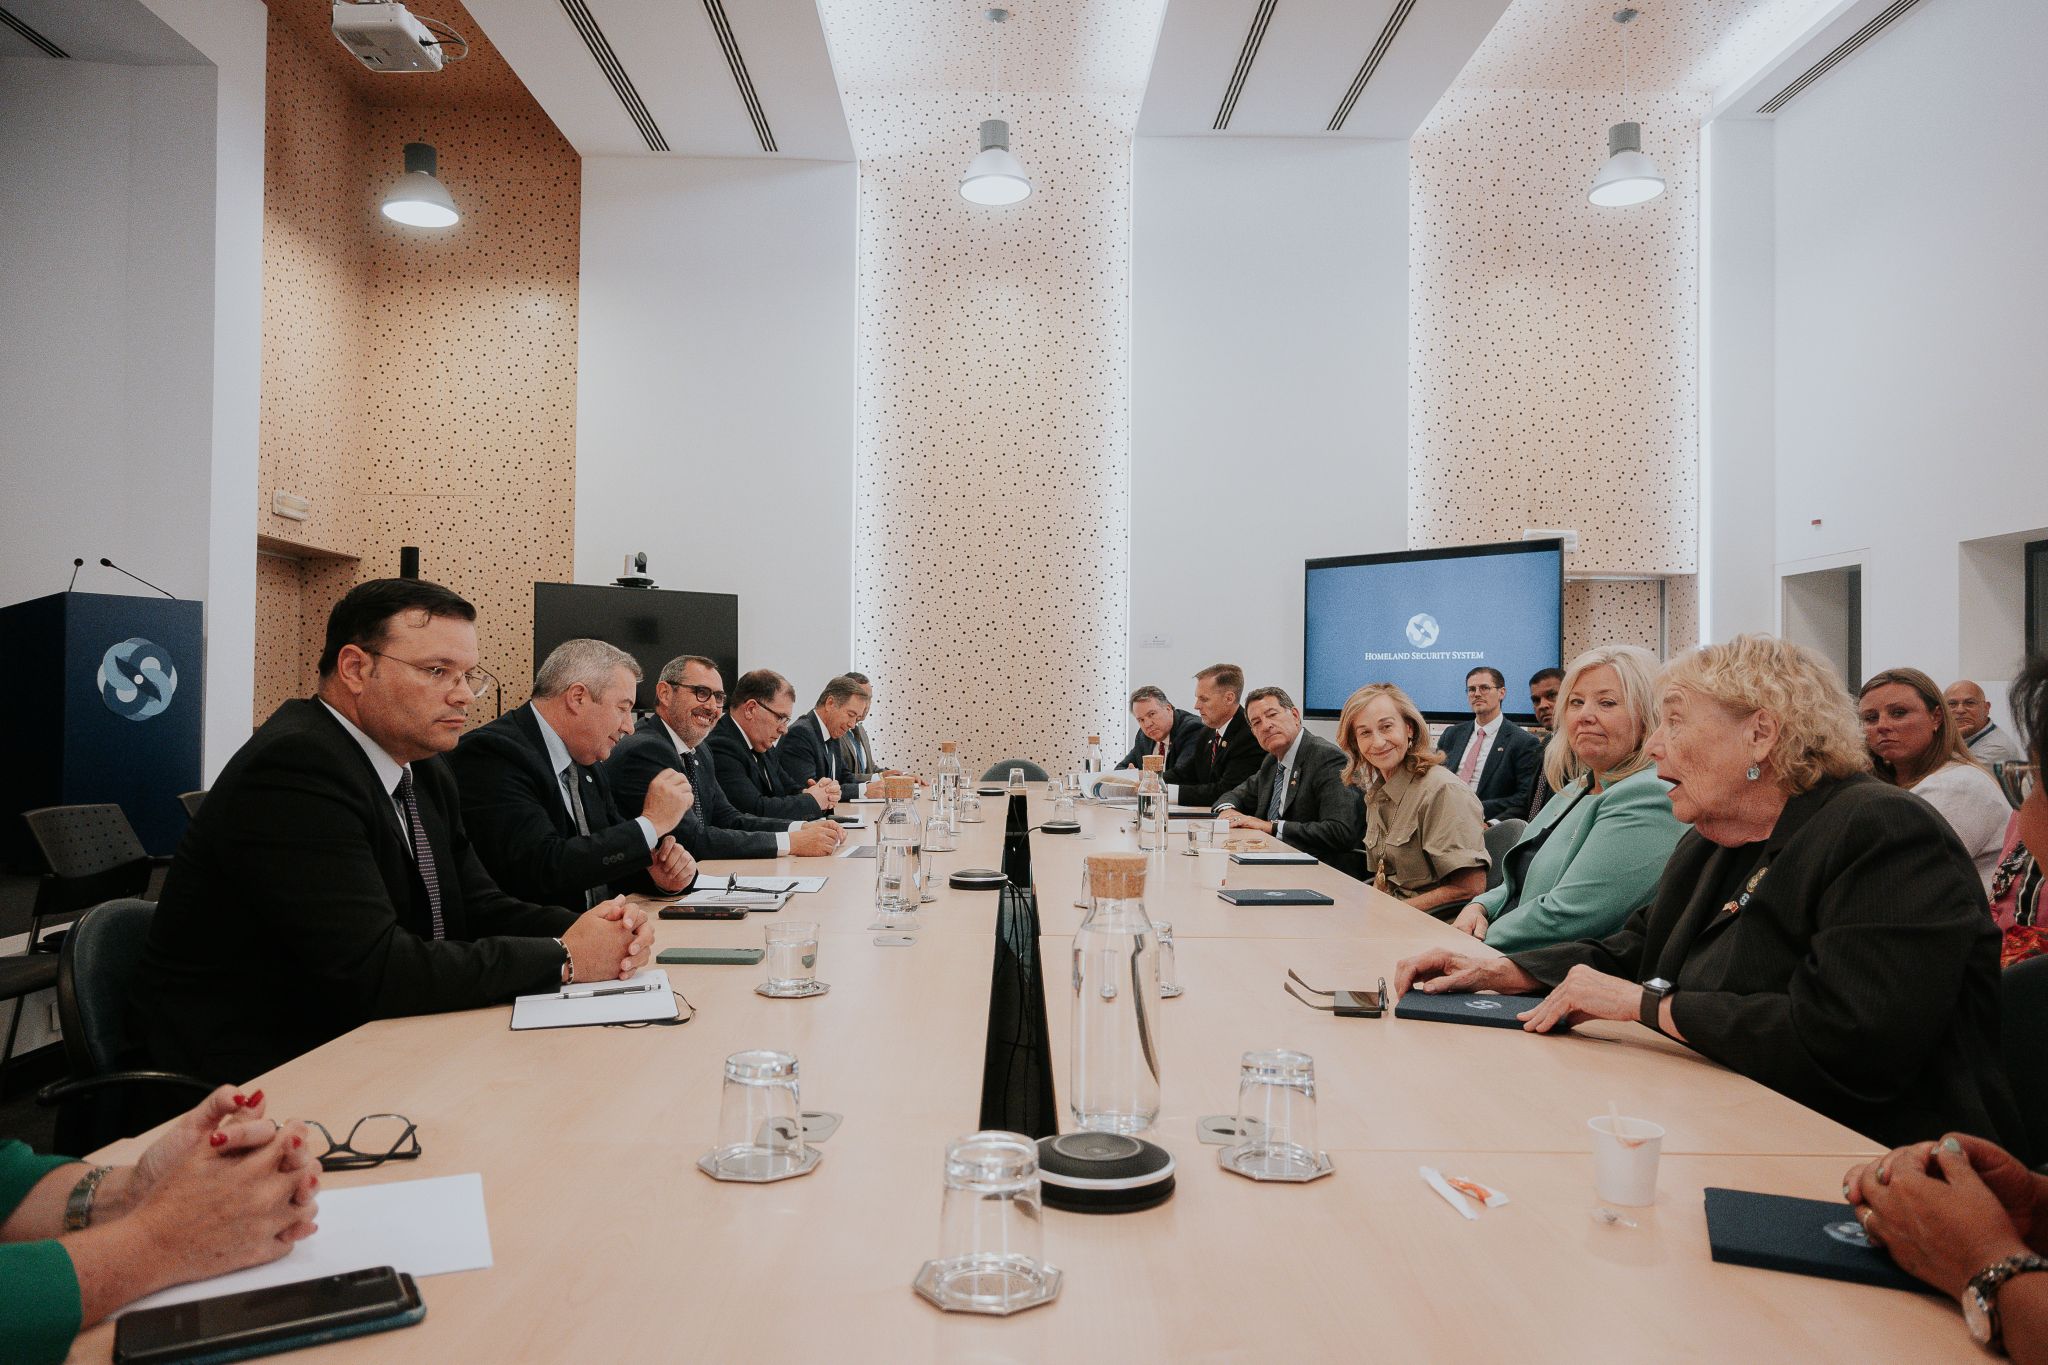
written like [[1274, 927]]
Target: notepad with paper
[[1270, 856], [741, 897], [646, 995]]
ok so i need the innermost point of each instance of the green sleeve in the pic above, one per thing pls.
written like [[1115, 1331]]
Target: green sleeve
[[40, 1311], [1615, 870]]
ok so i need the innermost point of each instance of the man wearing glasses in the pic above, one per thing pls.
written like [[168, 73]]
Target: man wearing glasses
[[757, 714], [1492, 755], [536, 800], [689, 697], [329, 879]]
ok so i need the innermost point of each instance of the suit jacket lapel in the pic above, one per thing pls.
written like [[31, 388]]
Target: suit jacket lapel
[[536, 751]]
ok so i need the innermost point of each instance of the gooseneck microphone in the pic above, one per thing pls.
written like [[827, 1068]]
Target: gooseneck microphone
[[76, 565], [137, 577]]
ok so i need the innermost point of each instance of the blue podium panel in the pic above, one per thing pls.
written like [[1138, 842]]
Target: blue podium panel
[[100, 701]]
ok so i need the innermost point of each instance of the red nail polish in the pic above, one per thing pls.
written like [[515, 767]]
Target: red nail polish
[[256, 1098], [241, 1099], [316, 1183], [298, 1142], [217, 1139]]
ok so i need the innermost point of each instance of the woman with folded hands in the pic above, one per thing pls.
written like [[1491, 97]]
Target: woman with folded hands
[[1425, 832], [221, 1189], [1818, 930], [1596, 849]]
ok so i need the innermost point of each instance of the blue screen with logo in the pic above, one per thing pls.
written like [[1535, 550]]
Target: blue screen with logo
[[1425, 619]]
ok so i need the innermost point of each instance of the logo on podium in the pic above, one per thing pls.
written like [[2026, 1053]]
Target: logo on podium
[[137, 679], [1422, 630]]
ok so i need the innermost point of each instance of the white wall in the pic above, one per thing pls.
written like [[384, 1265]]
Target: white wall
[[130, 312], [1912, 312], [1269, 320], [1737, 378], [714, 405]]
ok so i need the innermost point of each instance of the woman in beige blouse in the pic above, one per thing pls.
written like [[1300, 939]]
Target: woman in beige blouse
[[1425, 833]]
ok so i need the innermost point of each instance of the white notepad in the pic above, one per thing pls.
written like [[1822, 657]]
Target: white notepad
[[555, 1010], [746, 900]]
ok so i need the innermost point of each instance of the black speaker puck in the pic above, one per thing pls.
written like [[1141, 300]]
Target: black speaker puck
[[1103, 1173]]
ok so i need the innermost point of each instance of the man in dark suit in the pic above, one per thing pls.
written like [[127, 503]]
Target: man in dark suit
[[856, 755], [1298, 794], [688, 698], [757, 714], [1496, 758], [1224, 754], [537, 804], [1162, 727], [328, 879], [810, 751]]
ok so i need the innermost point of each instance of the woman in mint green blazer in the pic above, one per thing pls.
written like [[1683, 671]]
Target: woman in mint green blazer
[[220, 1189], [1593, 854]]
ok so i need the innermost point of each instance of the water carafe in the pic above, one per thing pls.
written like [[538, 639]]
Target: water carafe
[[1114, 1080]]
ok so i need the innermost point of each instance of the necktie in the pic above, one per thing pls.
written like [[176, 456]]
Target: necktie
[[1468, 766], [1279, 801], [422, 851], [575, 790], [696, 812], [1215, 750]]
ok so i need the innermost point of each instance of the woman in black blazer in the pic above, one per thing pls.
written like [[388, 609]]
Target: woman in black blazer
[[1818, 930]]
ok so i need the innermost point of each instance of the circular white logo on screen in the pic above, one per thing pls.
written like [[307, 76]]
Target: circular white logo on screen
[[1850, 1232], [1482, 1004], [1422, 631]]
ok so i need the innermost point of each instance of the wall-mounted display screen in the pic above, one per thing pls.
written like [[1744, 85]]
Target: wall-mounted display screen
[[1423, 619]]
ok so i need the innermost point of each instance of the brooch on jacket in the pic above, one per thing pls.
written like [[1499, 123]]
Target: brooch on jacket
[[1749, 889]]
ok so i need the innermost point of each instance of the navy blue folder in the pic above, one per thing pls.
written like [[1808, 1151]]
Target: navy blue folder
[[1803, 1236], [1489, 1011], [1276, 895]]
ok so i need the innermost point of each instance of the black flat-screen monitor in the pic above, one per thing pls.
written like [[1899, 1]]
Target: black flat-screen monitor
[[1423, 619], [652, 624]]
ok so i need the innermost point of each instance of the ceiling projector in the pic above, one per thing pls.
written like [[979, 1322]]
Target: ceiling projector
[[386, 38]]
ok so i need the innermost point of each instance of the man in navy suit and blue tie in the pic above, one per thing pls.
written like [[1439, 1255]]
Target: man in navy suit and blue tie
[[1495, 757]]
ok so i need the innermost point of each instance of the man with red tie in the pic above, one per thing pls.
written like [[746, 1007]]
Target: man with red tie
[[1224, 753]]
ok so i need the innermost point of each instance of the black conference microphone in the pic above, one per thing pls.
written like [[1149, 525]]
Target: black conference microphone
[[137, 577], [76, 565]]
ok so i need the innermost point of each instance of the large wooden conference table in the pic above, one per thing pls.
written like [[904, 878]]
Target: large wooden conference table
[[610, 1245]]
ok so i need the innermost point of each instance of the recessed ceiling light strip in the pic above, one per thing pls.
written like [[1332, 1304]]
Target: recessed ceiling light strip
[[1827, 63], [21, 26], [1370, 65], [622, 84], [723, 27], [1257, 34]]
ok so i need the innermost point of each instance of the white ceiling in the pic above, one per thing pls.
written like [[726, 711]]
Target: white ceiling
[[1069, 47], [121, 32], [1674, 46], [1310, 53], [670, 52]]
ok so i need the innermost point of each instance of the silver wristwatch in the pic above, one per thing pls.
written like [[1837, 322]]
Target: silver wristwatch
[[1980, 1296], [568, 962]]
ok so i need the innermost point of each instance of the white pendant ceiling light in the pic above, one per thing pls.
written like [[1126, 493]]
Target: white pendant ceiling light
[[995, 177], [1629, 177], [418, 199]]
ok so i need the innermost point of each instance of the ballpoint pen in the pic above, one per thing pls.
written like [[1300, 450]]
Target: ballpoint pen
[[599, 992]]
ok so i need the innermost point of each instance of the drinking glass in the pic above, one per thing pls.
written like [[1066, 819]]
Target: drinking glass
[[1276, 1098], [792, 957], [1016, 783], [970, 808], [1625, 1153], [760, 1122], [991, 1242]]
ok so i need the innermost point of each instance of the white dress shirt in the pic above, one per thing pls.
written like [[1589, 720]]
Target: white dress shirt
[[388, 769], [1482, 738], [684, 750], [1279, 780], [558, 759]]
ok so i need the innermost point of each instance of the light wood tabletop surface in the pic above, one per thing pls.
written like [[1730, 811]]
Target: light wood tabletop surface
[[610, 1245]]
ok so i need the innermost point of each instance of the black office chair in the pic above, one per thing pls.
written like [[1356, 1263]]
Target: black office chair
[[190, 801], [1499, 839], [22, 975], [110, 1092], [92, 855], [2023, 1039], [1001, 771]]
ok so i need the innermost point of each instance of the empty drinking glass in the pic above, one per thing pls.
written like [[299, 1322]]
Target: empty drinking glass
[[1276, 1099], [760, 1122], [792, 954], [1016, 783], [991, 1243], [970, 807]]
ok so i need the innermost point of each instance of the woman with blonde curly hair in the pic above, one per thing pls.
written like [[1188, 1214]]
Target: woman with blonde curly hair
[[1915, 743], [1595, 851], [1818, 930], [1425, 832]]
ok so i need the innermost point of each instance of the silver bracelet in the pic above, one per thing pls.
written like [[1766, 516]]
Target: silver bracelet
[[78, 1208], [568, 962]]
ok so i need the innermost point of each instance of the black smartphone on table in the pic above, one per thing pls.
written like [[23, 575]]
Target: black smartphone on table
[[260, 1322], [703, 912]]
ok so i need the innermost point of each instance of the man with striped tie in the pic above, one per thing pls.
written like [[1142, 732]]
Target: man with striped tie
[[329, 879]]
